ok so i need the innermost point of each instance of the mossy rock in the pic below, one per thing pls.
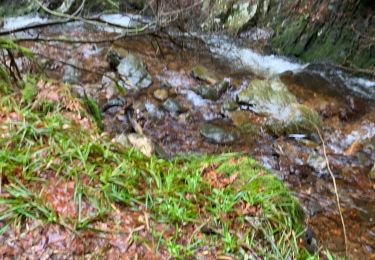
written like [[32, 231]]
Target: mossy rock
[[212, 92], [133, 69], [240, 15], [266, 97], [301, 119], [203, 74], [272, 98]]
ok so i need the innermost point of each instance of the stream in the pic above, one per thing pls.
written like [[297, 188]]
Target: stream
[[181, 118]]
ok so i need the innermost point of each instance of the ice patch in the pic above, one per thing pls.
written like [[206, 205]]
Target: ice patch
[[123, 20]]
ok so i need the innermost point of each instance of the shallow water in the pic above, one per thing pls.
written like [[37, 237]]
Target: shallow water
[[329, 91]]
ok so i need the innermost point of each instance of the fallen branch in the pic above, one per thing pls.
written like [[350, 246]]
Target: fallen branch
[[83, 41], [97, 72]]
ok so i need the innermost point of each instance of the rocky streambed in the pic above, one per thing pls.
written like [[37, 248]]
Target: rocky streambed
[[176, 93]]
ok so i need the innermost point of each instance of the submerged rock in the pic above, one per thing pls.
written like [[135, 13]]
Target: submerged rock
[[212, 92], [217, 134], [272, 98], [134, 70]]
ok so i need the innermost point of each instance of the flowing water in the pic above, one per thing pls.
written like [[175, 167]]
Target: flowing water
[[345, 102]]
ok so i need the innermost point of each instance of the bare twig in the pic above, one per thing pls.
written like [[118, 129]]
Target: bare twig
[[335, 189], [92, 41]]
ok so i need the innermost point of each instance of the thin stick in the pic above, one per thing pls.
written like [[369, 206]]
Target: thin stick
[[336, 192]]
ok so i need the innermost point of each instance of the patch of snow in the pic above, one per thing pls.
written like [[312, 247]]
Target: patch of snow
[[12, 23]]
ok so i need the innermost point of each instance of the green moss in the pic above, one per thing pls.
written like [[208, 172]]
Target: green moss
[[273, 99], [334, 45], [365, 57], [93, 108], [287, 34]]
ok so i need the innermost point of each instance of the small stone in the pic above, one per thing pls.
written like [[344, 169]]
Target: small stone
[[172, 106], [317, 162], [134, 70], [161, 94], [122, 140], [202, 73], [239, 118], [142, 143], [229, 106], [212, 92], [217, 134]]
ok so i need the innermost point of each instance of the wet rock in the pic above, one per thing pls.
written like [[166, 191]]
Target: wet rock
[[294, 153], [212, 92], [232, 15], [71, 74], [272, 98], [78, 90], [241, 14], [134, 70], [217, 134], [172, 106], [266, 97], [115, 102], [114, 57], [121, 139], [161, 94], [228, 106], [202, 73], [110, 87], [183, 118], [243, 123], [239, 118], [318, 163], [372, 173], [154, 111], [354, 108], [139, 106], [311, 243], [143, 143]]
